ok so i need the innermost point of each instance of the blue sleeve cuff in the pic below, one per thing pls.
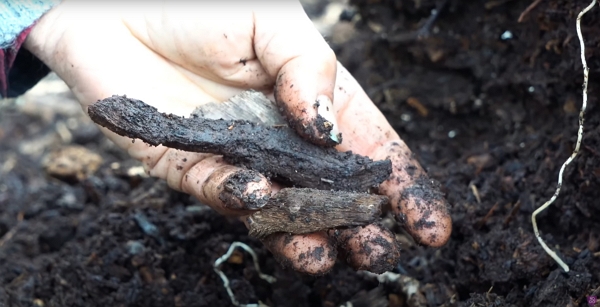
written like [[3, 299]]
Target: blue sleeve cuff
[[18, 15]]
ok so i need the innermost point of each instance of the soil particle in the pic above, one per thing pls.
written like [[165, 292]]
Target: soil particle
[[410, 170], [54, 238], [312, 257], [423, 223], [306, 260], [386, 261], [147, 227], [272, 243], [315, 130], [375, 254], [287, 239], [324, 128], [426, 193], [401, 219], [317, 253]]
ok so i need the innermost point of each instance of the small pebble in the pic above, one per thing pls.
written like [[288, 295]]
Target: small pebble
[[506, 35], [146, 226], [135, 247], [69, 200], [197, 209]]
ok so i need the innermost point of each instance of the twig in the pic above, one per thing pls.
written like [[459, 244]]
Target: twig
[[528, 9], [8, 235], [11, 233], [484, 220], [475, 192], [512, 213], [225, 280], [577, 146], [298, 211], [424, 31], [385, 85]]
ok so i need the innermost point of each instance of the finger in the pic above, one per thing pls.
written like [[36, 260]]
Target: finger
[[289, 47], [227, 189], [416, 200], [372, 248], [313, 254]]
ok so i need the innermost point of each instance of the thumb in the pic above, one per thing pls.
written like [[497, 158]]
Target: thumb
[[291, 49]]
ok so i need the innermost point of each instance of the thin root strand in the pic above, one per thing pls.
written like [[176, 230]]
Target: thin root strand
[[225, 280], [586, 70]]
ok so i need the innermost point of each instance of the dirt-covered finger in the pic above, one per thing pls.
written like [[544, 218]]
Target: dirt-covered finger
[[307, 106], [227, 189], [372, 248], [313, 254], [292, 50], [416, 199]]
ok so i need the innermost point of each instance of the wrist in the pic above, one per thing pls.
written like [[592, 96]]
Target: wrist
[[44, 37]]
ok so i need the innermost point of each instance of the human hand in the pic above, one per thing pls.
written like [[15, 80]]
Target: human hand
[[176, 55]]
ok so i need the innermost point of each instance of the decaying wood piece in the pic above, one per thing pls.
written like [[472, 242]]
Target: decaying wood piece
[[274, 150], [299, 211], [329, 186], [250, 105]]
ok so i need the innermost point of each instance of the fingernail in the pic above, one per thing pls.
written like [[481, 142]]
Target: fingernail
[[327, 123], [245, 190]]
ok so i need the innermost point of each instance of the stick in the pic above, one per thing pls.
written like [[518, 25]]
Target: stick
[[424, 31], [586, 70], [276, 151], [527, 10]]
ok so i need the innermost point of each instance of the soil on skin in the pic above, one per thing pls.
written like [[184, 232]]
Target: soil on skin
[[490, 116]]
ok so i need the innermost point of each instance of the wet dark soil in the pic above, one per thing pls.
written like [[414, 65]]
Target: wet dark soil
[[490, 115]]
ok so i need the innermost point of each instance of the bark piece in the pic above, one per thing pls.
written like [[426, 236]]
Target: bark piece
[[274, 150], [72, 163], [299, 211]]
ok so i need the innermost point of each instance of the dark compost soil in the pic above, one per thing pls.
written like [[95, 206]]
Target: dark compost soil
[[490, 116]]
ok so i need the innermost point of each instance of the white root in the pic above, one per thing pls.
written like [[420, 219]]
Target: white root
[[586, 70], [225, 280]]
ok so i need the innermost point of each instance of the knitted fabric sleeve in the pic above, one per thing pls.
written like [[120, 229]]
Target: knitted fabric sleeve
[[19, 69]]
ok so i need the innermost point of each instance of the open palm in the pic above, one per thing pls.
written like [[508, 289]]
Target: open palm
[[177, 55]]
